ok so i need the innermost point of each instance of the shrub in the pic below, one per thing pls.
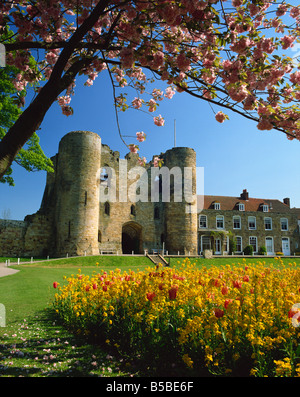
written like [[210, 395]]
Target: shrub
[[248, 250], [262, 250]]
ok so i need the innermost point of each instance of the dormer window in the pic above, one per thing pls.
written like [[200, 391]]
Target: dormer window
[[265, 208], [241, 207], [217, 206]]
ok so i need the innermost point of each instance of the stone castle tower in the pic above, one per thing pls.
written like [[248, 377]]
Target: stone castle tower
[[97, 202]]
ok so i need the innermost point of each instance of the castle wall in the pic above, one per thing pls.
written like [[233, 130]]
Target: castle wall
[[12, 237], [31, 237]]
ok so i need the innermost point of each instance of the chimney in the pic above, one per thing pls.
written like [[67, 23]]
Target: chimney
[[245, 195], [287, 201]]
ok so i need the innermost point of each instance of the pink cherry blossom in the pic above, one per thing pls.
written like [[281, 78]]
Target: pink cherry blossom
[[142, 161], [169, 92], [239, 93], [220, 117], [287, 42], [152, 105], [295, 77], [140, 136], [156, 161], [183, 63], [264, 124], [159, 121], [133, 148], [137, 103]]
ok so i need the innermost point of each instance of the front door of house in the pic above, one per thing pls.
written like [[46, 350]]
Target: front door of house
[[218, 246], [269, 246], [286, 246]]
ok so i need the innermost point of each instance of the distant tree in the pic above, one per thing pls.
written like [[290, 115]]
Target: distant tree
[[228, 53]]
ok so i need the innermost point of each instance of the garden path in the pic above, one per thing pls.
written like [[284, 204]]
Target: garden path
[[6, 270]]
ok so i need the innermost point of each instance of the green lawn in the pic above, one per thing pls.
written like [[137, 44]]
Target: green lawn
[[32, 344]]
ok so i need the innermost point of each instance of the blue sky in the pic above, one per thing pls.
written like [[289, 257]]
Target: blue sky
[[235, 155]]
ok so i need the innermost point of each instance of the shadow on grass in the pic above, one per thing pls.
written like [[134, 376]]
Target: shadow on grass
[[41, 348]]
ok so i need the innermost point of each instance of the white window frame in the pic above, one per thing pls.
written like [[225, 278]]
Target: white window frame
[[241, 207], [203, 227], [241, 244], [252, 228], [254, 250], [265, 208], [266, 224], [221, 217], [217, 206], [239, 221], [281, 223]]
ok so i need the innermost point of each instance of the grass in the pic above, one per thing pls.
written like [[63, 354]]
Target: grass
[[33, 345]]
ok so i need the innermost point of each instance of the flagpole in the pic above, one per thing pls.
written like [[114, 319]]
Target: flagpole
[[175, 133]]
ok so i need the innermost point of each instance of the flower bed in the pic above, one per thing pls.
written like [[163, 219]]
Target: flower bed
[[233, 319]]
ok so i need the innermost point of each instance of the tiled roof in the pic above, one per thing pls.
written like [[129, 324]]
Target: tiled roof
[[231, 203]]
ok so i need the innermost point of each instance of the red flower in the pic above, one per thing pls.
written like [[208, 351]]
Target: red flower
[[217, 282], [150, 296], [104, 288], [237, 284], [226, 303], [173, 292], [246, 278], [224, 290], [55, 284], [87, 287], [219, 313], [291, 313], [95, 286]]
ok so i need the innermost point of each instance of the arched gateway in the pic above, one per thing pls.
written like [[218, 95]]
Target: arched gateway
[[131, 238]]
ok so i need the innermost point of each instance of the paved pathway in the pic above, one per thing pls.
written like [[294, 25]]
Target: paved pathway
[[6, 270]]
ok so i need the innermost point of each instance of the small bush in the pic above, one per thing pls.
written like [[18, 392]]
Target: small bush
[[248, 250], [262, 250]]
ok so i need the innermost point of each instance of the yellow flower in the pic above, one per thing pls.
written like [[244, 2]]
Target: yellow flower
[[187, 360]]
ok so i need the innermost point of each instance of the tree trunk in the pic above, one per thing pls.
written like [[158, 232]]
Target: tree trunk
[[28, 122]]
